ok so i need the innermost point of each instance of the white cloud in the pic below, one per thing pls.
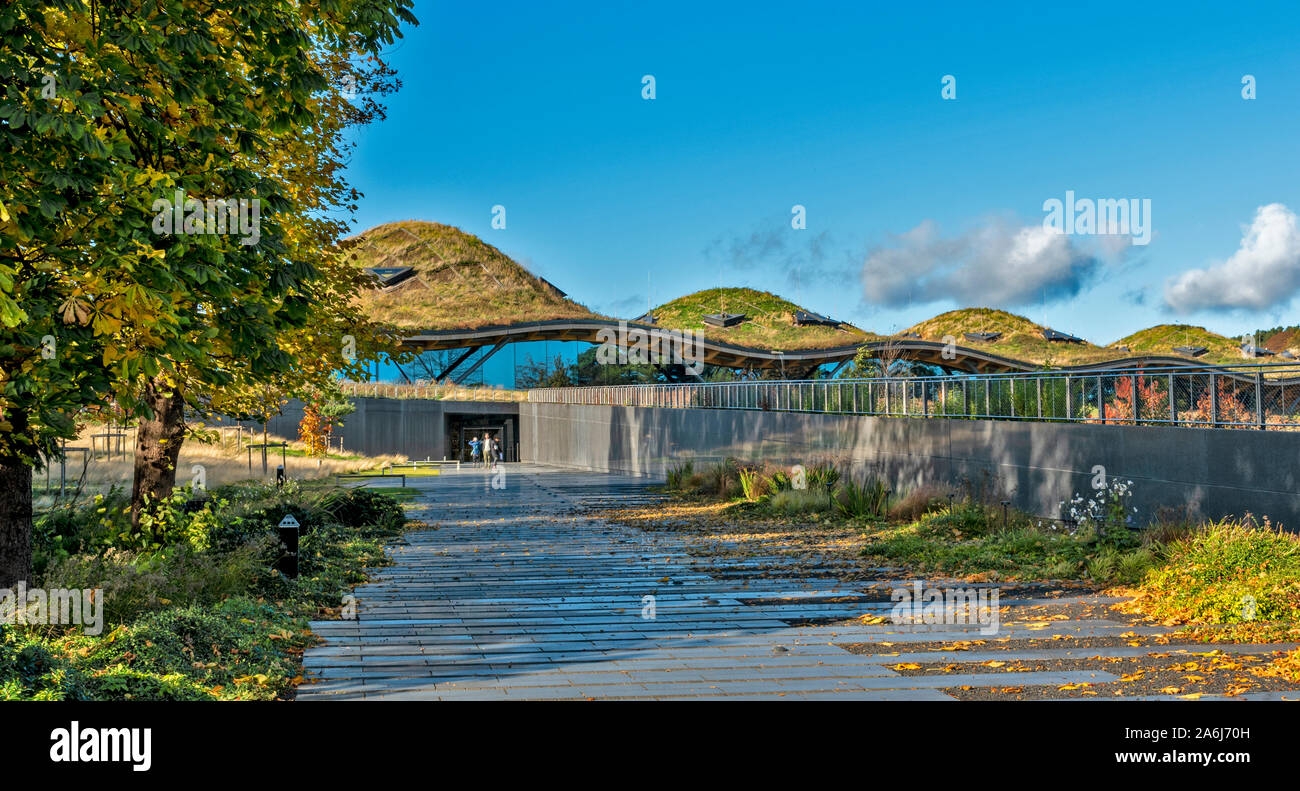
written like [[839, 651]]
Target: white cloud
[[998, 265], [1263, 273]]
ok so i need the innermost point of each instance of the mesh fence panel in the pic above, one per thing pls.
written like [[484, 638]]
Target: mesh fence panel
[[1241, 397]]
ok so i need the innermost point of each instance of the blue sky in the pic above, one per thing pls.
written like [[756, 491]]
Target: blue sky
[[915, 204]]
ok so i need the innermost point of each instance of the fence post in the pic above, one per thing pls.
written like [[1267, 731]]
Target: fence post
[[1137, 406], [1214, 401], [943, 397], [1069, 400], [1101, 402], [1038, 384], [925, 398], [1173, 402], [1259, 398]]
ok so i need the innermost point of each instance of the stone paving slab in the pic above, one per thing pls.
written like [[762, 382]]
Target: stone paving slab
[[517, 595]]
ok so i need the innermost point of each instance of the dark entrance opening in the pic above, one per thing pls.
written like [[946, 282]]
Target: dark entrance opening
[[462, 427]]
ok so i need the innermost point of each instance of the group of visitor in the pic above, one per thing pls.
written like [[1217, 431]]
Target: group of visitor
[[486, 450]]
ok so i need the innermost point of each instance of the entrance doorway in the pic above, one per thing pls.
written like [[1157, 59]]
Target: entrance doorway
[[462, 428]]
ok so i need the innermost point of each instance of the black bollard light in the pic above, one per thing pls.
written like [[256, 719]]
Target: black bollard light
[[1005, 505], [279, 477], [289, 531]]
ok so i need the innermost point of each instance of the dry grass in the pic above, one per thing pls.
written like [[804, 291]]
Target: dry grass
[[223, 462], [919, 502], [433, 392]]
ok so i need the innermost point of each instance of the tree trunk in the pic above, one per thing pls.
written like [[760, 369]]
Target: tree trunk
[[157, 446], [15, 522]]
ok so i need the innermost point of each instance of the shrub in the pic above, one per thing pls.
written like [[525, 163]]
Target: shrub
[[1133, 566], [862, 500], [69, 528], [919, 502], [679, 474], [360, 507], [238, 639], [753, 484], [1170, 525], [167, 522], [29, 670], [719, 478], [823, 476], [134, 584], [120, 683], [178, 596], [1229, 572]]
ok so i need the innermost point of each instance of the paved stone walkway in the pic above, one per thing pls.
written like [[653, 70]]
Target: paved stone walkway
[[516, 595]]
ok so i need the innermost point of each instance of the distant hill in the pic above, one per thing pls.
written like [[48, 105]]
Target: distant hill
[[1279, 339], [769, 321], [458, 280]]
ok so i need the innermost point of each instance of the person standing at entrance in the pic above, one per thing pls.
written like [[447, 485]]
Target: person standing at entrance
[[489, 452], [473, 450]]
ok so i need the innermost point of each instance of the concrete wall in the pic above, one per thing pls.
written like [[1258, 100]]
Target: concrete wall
[[412, 427], [1217, 472]]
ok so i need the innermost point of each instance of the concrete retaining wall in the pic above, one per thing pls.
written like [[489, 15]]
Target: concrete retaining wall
[[1216, 472], [415, 428]]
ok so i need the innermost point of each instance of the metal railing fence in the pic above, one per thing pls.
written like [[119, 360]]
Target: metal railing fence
[[1245, 396]]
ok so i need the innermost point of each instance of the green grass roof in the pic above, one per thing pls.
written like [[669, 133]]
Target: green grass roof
[[460, 281], [769, 321]]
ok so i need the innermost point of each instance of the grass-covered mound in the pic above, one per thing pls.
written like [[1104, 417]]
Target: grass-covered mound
[[1162, 338], [769, 321], [194, 608], [1021, 338], [460, 281]]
